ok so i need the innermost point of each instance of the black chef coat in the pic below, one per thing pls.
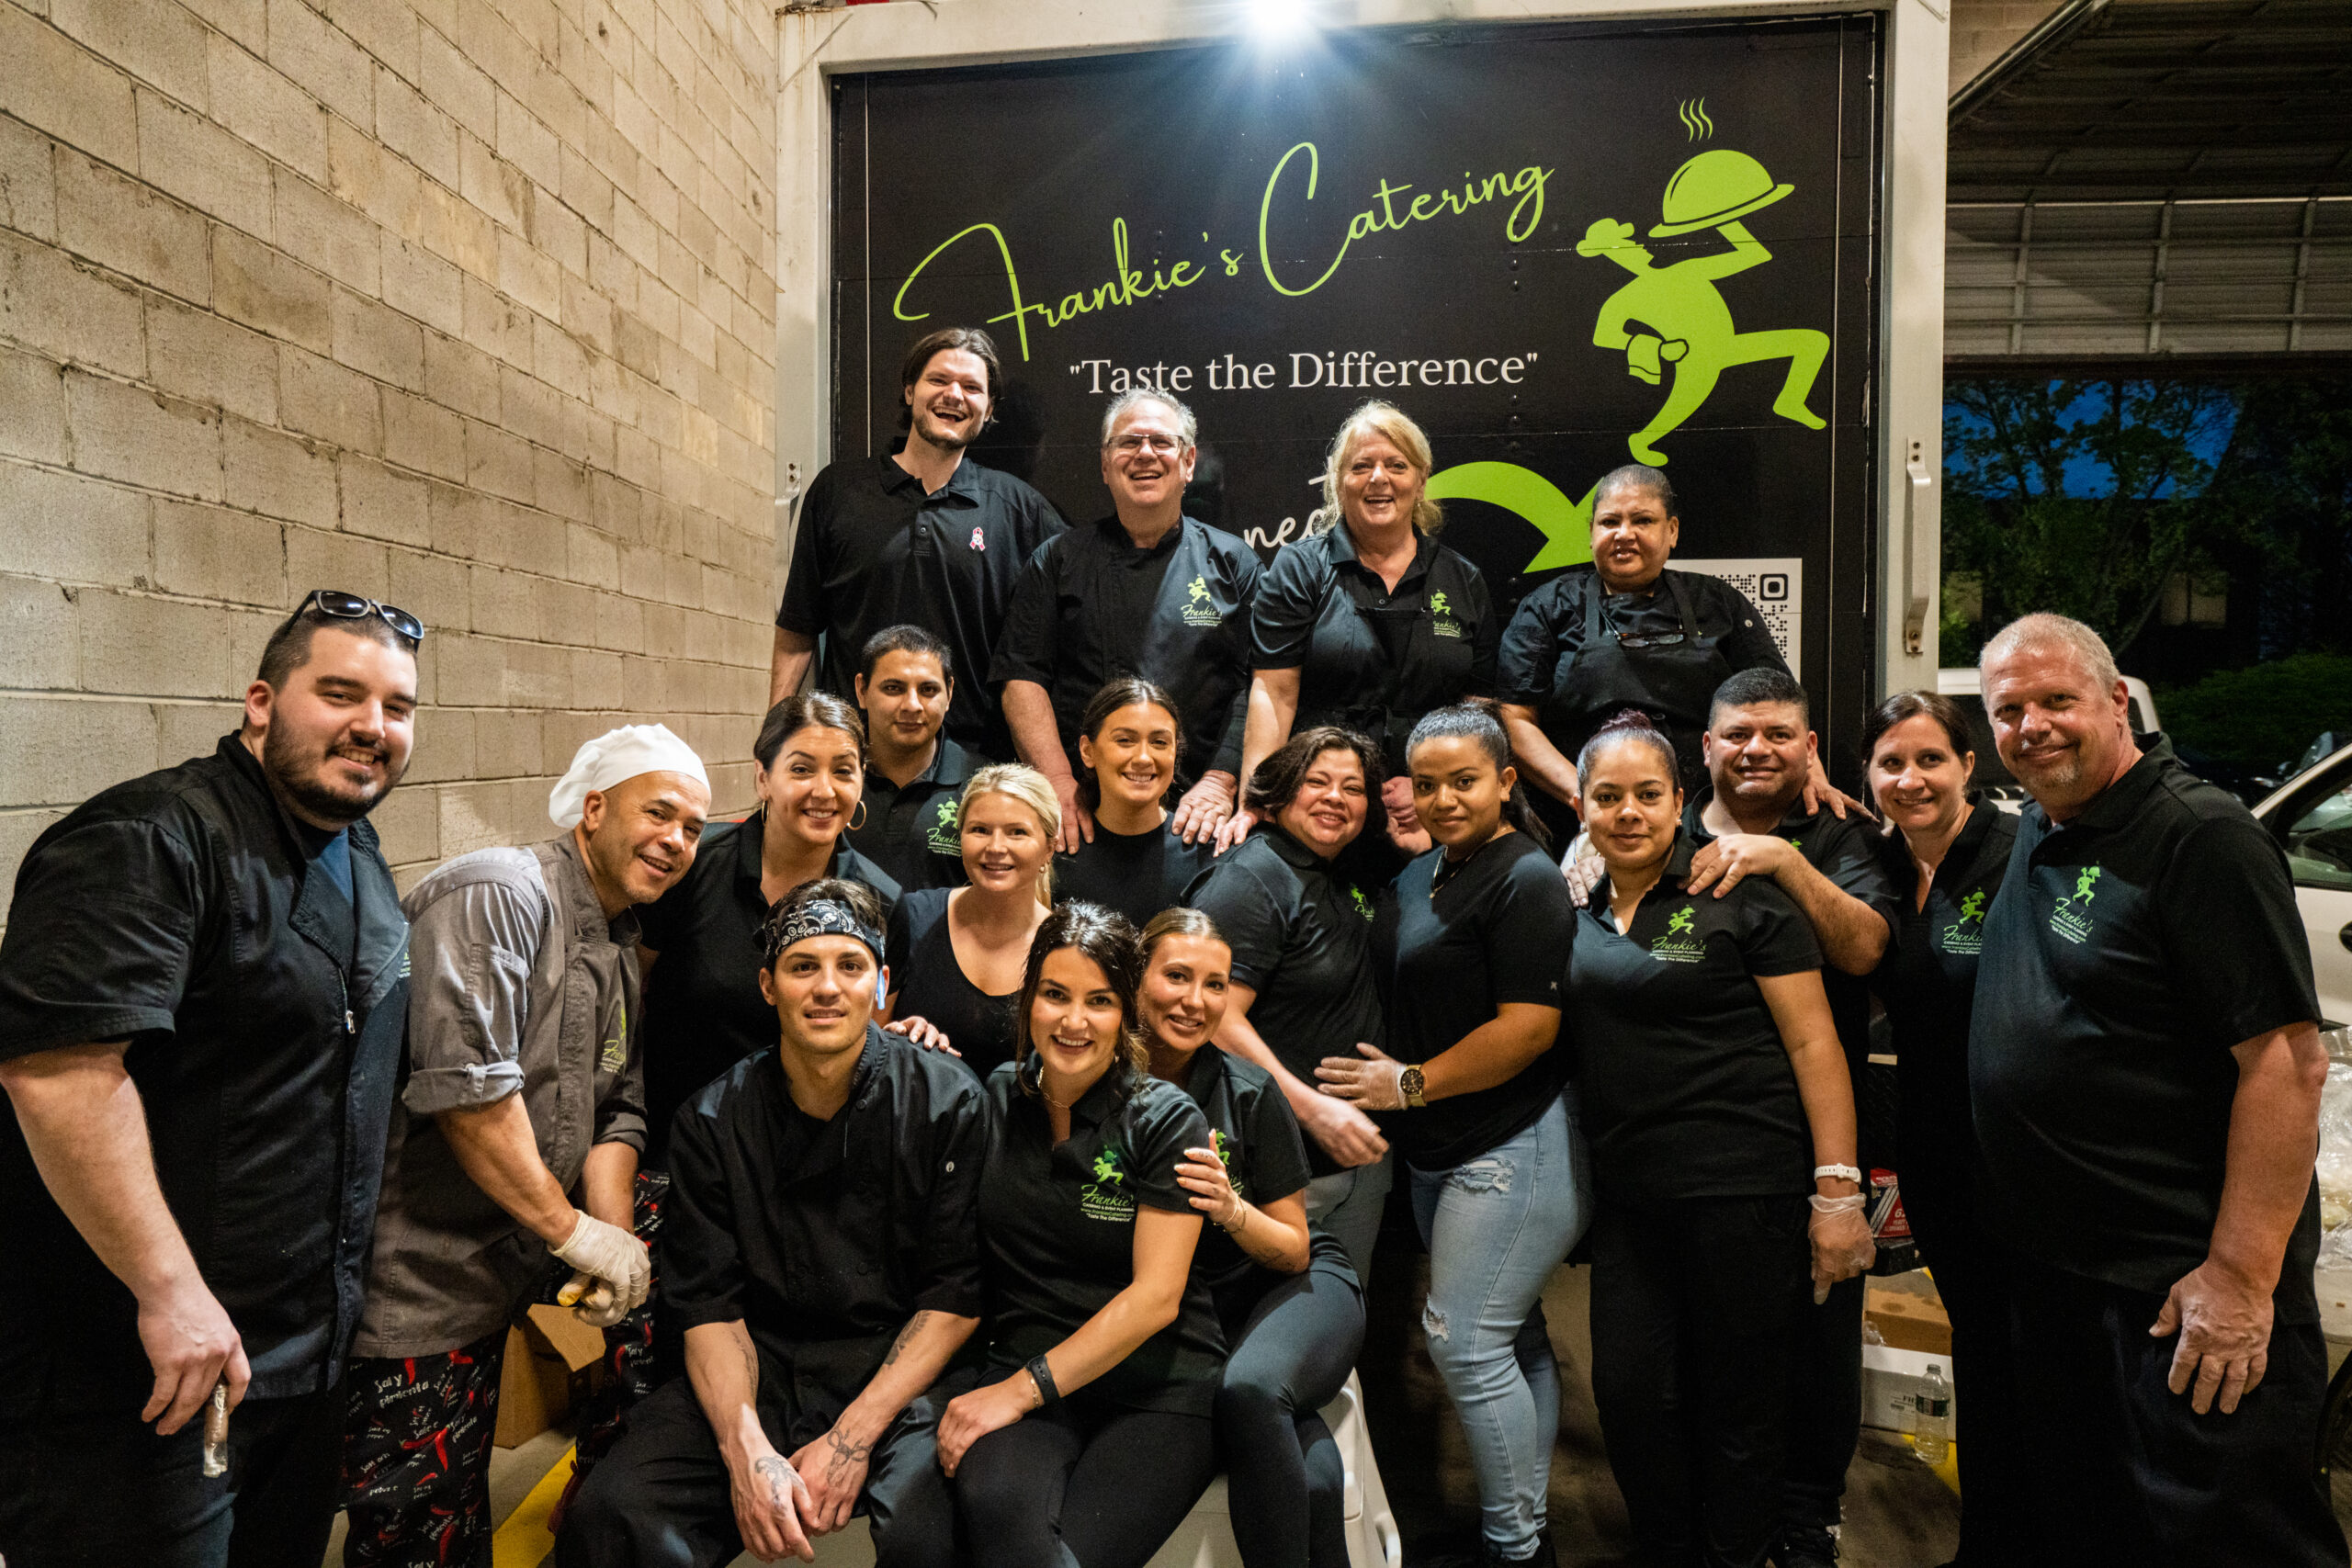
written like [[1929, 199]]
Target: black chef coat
[[1496, 930], [265, 1010], [1301, 934], [1264, 1154], [1058, 1228], [2126, 953], [874, 551], [1091, 607], [703, 1008], [1687, 1091], [1137, 874], [1845, 850], [823, 1237], [1563, 656], [933, 986], [1367, 659], [1927, 984], [912, 833]]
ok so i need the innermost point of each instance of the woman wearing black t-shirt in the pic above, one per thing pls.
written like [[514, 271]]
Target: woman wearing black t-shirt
[[956, 956], [1097, 1433], [1479, 1105], [1716, 1098], [1129, 741], [1289, 1304], [1947, 857], [1295, 901]]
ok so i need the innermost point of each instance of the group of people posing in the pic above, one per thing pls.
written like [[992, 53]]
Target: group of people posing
[[991, 1133]]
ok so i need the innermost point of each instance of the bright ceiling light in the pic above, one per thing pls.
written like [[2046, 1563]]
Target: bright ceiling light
[[1281, 18]]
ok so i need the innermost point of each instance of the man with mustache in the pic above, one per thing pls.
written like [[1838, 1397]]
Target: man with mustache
[[2145, 1070], [919, 536], [1751, 821], [517, 1136], [1145, 592], [201, 996]]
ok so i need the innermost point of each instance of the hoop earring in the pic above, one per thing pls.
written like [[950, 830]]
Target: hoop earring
[[857, 818]]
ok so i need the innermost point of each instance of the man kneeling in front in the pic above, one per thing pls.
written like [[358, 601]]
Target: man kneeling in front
[[822, 1251]]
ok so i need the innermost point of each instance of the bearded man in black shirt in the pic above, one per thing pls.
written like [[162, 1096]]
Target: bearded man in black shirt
[[2144, 1071], [822, 1251]]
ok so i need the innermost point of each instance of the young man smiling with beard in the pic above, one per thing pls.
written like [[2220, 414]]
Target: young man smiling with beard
[[518, 1134], [201, 998]]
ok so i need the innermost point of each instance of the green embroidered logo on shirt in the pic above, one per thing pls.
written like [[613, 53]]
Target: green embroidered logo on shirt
[[1957, 937], [2069, 920], [1226, 1148], [1681, 944], [945, 838], [1200, 610], [1105, 1197], [1363, 904], [1442, 620], [614, 1055]]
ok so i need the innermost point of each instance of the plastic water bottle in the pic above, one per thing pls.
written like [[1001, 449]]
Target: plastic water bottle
[[1931, 1407]]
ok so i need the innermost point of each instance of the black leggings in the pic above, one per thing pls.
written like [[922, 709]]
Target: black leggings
[[1082, 1481], [1294, 1347]]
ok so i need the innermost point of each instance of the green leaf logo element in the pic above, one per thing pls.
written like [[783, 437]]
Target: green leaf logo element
[[1566, 526]]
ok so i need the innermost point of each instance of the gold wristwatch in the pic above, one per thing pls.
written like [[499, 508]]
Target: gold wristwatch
[[1408, 1084]]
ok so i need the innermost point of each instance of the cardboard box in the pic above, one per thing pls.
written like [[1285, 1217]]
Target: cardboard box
[[1890, 1381], [1908, 1315], [553, 1360]]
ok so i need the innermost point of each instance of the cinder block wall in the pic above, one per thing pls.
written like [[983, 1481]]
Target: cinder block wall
[[467, 305]]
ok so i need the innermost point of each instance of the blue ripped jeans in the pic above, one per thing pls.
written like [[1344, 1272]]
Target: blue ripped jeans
[[1496, 1227]]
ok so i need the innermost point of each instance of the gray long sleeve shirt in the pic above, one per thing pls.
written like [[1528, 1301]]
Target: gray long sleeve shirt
[[520, 985]]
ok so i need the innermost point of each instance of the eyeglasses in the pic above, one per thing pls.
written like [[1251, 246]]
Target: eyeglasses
[[352, 607], [1128, 445]]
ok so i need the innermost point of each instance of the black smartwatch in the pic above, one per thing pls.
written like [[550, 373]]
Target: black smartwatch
[[1043, 1376]]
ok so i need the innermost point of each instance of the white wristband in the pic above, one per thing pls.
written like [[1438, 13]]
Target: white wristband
[[1837, 1172]]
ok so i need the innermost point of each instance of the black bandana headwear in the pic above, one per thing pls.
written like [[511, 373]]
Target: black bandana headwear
[[818, 917]]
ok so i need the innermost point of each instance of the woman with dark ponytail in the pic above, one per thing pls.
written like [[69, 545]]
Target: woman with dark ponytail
[[1476, 1099]]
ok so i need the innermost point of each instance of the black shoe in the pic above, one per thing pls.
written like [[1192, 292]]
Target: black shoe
[[1542, 1557], [1806, 1546]]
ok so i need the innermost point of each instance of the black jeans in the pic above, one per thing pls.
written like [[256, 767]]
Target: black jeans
[[105, 1492], [2125, 1472], [1082, 1482], [1693, 1301], [1825, 1415], [1285, 1480], [659, 1498]]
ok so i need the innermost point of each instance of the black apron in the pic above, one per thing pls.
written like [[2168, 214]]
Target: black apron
[[1673, 683]]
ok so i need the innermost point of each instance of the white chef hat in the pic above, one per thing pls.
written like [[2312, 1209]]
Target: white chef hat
[[618, 754]]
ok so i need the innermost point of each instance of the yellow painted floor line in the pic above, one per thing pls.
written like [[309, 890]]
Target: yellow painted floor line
[[524, 1540]]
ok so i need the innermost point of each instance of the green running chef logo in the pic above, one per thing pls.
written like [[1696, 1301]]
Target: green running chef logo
[[1442, 620], [943, 838], [1200, 610], [1966, 935], [1224, 1148], [1363, 904], [1105, 1197], [1681, 943], [2071, 917]]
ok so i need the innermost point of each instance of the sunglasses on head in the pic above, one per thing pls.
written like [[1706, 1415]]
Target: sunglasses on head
[[352, 607]]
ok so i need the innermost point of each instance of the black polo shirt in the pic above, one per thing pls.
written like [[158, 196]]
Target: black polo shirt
[[1091, 607], [912, 833], [2126, 953], [265, 1008], [1368, 658], [931, 985], [823, 1237], [875, 551], [1927, 984], [1137, 874], [703, 1008], [1264, 1153], [1687, 1091], [1845, 850], [1058, 1231], [1301, 934], [1450, 952]]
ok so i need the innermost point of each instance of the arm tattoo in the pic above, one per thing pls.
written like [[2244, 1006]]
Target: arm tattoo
[[777, 1472], [906, 1335], [751, 1359]]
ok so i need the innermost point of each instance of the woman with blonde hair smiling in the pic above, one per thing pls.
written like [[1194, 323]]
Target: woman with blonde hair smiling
[[1368, 623], [955, 955]]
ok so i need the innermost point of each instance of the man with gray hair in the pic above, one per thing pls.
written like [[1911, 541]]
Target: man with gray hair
[[1145, 592], [2145, 1070], [516, 1141]]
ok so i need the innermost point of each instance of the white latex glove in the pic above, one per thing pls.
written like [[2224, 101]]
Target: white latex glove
[[615, 1271], [1842, 1245]]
